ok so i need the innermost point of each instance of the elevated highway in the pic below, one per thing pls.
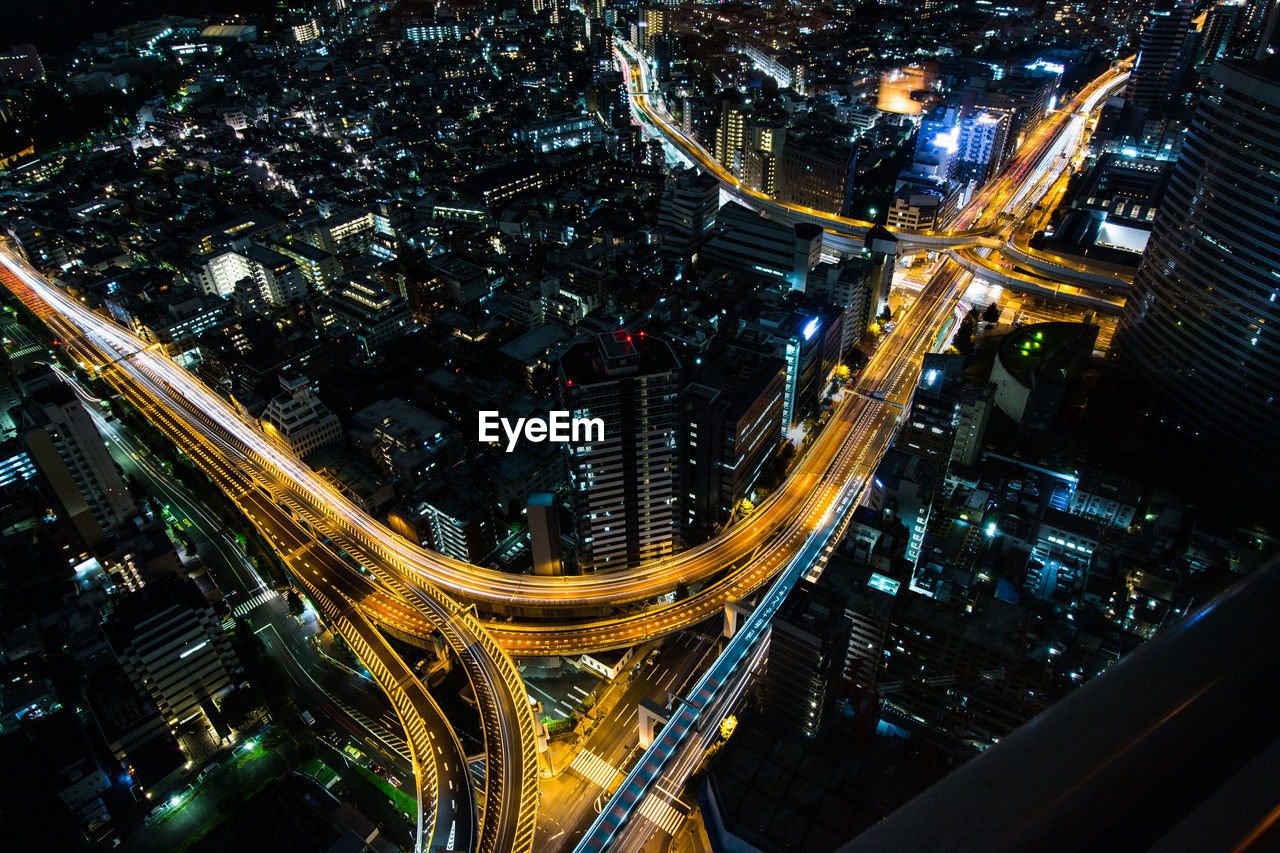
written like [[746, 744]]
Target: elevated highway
[[418, 589], [561, 614], [991, 268], [352, 604]]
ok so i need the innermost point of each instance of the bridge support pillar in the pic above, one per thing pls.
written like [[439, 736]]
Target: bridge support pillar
[[735, 613], [651, 718]]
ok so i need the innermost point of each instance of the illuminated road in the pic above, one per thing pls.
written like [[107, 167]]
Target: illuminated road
[[416, 589], [566, 614], [345, 597]]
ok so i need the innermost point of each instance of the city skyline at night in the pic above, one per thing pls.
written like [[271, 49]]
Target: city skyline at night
[[653, 425]]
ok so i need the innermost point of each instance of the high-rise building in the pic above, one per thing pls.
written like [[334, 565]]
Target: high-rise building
[[762, 155], [690, 200], [807, 644], [171, 643], [903, 489], [733, 420], [65, 446], [916, 207], [449, 513], [304, 29], [319, 269], [817, 171], [264, 274], [654, 20], [730, 134], [624, 487], [1162, 54], [1200, 325], [1220, 25], [543, 516], [21, 64], [848, 286], [980, 146], [947, 417], [808, 341], [369, 313]]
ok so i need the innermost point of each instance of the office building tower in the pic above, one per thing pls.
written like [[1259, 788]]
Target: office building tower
[[21, 64], [902, 489], [930, 422], [624, 487], [846, 285], [807, 642], [762, 149], [450, 513], [919, 203], [65, 446], [808, 342], [690, 200], [1268, 45], [42, 247], [259, 274], [171, 643], [654, 20], [552, 8], [304, 29], [747, 241], [543, 516], [817, 171], [1162, 54], [319, 269], [976, 405], [1255, 18], [733, 420], [1199, 327], [947, 417]]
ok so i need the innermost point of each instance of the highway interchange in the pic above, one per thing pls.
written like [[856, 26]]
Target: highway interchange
[[364, 578]]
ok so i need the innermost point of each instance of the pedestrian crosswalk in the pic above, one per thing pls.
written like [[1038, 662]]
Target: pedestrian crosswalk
[[592, 767], [661, 813], [261, 597]]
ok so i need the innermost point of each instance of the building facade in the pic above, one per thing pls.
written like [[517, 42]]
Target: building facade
[[624, 488], [1199, 327]]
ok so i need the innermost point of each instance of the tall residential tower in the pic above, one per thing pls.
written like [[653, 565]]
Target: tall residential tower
[[624, 487]]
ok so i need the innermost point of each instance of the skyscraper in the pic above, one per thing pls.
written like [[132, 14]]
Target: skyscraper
[[654, 19], [1162, 54], [1200, 326], [980, 146], [624, 487]]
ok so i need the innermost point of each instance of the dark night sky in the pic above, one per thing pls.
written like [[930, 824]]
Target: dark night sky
[[51, 24]]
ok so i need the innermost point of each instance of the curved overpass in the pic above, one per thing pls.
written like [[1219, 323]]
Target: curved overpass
[[349, 600], [992, 270], [581, 605]]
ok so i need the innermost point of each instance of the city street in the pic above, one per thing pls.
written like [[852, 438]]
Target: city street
[[597, 764]]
